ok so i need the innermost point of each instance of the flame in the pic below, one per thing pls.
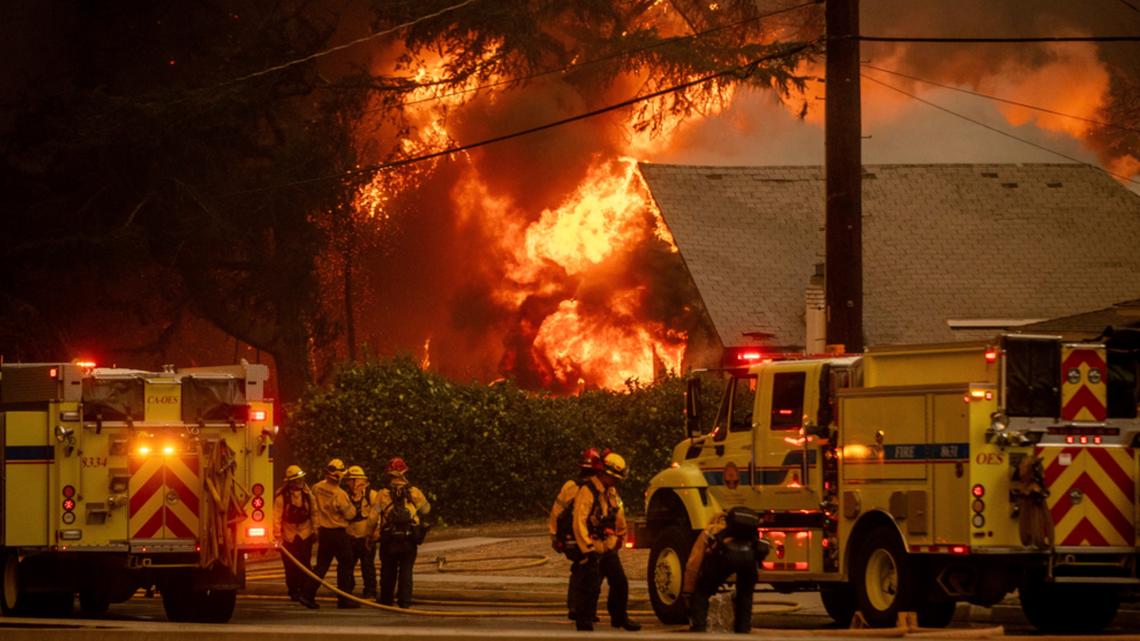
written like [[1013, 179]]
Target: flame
[[426, 361]]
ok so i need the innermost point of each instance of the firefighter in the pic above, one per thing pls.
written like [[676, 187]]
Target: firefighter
[[599, 530], [293, 528], [362, 527], [730, 544], [561, 522], [333, 511], [402, 509]]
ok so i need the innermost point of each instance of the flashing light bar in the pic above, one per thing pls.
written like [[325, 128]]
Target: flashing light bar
[[749, 357]]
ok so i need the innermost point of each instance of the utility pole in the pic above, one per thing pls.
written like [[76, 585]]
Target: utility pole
[[844, 175]]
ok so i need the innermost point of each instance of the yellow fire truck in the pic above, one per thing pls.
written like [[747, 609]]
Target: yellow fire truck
[[117, 479], [912, 478]]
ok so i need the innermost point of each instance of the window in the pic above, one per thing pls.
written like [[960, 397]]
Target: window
[[788, 400], [743, 400]]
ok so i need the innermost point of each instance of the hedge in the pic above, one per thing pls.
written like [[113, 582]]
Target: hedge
[[484, 452]]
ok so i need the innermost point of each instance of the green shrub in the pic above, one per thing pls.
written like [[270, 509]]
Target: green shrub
[[484, 453]]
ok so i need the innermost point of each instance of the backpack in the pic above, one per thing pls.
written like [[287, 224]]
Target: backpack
[[739, 544], [399, 532], [564, 527]]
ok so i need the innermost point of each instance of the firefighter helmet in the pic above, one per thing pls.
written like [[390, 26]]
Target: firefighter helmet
[[355, 472], [397, 465], [591, 460], [614, 465], [294, 473], [335, 468]]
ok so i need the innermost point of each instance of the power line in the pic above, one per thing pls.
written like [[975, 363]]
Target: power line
[[616, 54], [342, 47], [939, 40], [996, 130], [1098, 123], [741, 71], [1130, 5]]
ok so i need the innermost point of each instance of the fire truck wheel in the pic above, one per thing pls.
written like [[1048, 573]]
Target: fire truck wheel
[[666, 568], [12, 600], [1050, 606], [881, 578], [936, 615], [839, 601]]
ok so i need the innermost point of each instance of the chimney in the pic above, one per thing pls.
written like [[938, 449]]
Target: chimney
[[815, 314]]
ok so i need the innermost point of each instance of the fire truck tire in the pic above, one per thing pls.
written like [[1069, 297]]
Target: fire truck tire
[[839, 601], [1050, 607], [936, 615], [93, 603], [881, 578], [11, 599], [666, 570]]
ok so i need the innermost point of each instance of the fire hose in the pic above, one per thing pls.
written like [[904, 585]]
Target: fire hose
[[789, 606]]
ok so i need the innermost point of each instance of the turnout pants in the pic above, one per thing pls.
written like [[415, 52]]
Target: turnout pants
[[595, 568], [366, 555], [714, 572], [396, 575], [334, 543], [295, 579]]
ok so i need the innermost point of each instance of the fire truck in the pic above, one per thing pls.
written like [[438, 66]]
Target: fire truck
[[116, 480], [911, 478]]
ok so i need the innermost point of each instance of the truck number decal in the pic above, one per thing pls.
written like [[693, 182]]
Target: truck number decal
[[94, 461]]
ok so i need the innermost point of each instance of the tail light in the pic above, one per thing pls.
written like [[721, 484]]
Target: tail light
[[978, 490]]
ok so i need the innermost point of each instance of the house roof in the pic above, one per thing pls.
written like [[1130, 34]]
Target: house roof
[[1124, 314], [940, 242]]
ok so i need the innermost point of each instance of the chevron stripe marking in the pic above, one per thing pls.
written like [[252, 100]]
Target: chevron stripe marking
[[140, 496], [1083, 399], [177, 527], [1080, 357], [1084, 531], [1093, 493], [188, 496], [1112, 468], [1054, 470], [151, 527]]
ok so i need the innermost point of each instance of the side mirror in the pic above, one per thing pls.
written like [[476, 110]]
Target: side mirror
[[693, 407]]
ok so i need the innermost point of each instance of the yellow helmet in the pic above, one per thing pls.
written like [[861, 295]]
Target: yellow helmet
[[356, 472], [335, 468], [614, 465], [294, 472]]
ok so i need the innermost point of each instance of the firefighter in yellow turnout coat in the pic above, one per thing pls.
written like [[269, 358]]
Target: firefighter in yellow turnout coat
[[362, 527], [562, 522], [332, 513], [599, 530], [293, 528], [400, 530]]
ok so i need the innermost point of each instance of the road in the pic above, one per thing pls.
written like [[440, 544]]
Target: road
[[502, 607]]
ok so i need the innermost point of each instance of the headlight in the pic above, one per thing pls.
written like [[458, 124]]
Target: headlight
[[999, 422]]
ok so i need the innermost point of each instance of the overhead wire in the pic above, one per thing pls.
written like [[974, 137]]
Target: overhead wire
[[346, 45], [740, 70], [1131, 6], [1099, 123], [996, 40], [997, 130]]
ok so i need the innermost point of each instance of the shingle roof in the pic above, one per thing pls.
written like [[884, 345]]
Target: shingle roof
[[1125, 314], [940, 242]]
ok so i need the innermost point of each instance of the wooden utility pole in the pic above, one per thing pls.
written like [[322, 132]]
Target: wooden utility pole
[[844, 174]]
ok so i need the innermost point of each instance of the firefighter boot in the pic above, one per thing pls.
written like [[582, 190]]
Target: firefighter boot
[[698, 612]]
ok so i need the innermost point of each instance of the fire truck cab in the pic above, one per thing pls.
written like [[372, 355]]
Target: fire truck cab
[[116, 480], [911, 478]]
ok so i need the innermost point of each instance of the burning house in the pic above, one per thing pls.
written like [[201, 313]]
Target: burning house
[[950, 251]]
